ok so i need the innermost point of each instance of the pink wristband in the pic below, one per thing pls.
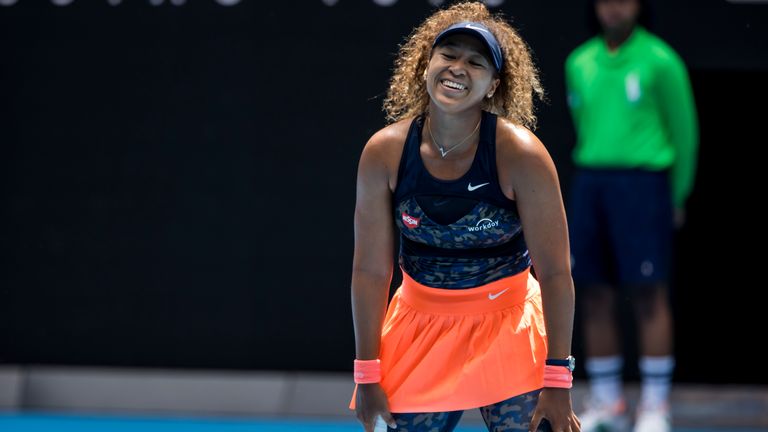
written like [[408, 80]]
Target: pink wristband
[[367, 371], [558, 377]]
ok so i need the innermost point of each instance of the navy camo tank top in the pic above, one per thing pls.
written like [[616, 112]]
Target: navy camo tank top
[[458, 233]]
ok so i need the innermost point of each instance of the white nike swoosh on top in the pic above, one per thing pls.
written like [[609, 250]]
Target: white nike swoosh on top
[[471, 188], [493, 296], [476, 28]]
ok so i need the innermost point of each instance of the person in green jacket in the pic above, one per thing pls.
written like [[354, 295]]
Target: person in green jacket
[[635, 157]]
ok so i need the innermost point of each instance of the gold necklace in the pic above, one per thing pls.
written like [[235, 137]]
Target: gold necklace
[[439, 147]]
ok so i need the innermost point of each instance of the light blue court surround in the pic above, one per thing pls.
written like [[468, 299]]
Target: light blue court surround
[[13, 422]]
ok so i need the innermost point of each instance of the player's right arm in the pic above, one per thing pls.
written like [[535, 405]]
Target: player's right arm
[[372, 269]]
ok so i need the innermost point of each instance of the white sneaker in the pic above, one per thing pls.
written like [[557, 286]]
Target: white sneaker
[[653, 420], [605, 418]]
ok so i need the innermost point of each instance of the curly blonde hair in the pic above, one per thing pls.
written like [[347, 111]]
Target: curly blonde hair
[[519, 81]]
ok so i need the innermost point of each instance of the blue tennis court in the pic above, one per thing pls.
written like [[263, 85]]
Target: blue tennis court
[[104, 423]]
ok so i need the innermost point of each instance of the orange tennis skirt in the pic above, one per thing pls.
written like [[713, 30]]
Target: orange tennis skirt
[[454, 349]]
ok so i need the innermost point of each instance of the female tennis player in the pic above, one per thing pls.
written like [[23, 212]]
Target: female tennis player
[[476, 199]]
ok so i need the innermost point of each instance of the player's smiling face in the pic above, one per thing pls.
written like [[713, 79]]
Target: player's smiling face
[[460, 73]]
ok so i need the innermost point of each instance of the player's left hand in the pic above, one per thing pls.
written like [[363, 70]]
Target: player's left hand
[[555, 405]]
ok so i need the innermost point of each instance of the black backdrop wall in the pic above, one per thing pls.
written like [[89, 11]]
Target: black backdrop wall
[[178, 182]]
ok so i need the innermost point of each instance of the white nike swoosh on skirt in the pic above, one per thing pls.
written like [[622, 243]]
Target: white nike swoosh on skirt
[[493, 296]]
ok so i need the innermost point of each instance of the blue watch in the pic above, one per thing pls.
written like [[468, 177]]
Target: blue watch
[[568, 362]]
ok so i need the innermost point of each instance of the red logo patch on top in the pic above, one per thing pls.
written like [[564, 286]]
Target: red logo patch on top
[[410, 221]]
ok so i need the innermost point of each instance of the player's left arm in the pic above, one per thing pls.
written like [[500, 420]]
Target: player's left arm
[[540, 205], [539, 201]]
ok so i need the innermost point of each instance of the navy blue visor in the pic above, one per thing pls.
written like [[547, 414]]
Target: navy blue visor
[[480, 31]]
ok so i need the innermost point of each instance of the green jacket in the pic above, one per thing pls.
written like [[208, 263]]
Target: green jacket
[[634, 108]]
